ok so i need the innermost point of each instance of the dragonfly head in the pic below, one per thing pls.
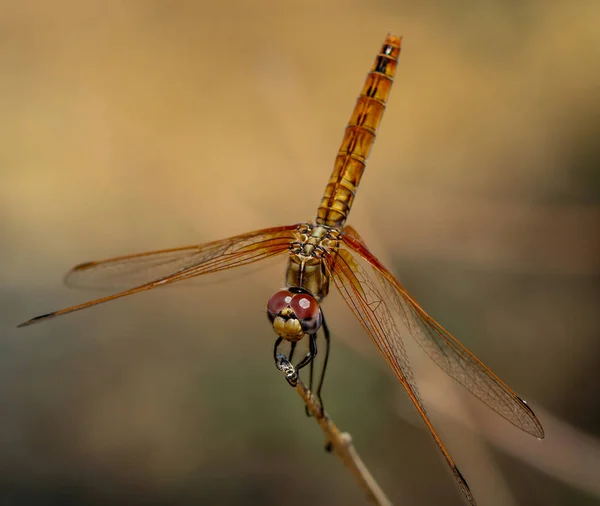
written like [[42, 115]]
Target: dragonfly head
[[293, 313]]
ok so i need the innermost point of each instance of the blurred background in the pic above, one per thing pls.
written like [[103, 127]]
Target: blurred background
[[138, 125]]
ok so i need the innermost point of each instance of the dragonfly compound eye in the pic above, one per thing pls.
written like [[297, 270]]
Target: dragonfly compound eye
[[308, 311], [294, 315], [278, 302]]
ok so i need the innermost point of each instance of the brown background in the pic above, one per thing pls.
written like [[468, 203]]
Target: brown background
[[128, 126]]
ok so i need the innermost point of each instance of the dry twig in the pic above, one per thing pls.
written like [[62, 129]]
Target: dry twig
[[338, 442]]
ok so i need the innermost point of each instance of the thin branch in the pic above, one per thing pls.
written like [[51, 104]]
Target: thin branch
[[338, 442]]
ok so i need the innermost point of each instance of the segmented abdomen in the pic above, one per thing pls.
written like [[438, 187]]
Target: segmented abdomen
[[359, 137]]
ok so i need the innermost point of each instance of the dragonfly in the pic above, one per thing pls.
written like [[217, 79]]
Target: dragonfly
[[320, 254]]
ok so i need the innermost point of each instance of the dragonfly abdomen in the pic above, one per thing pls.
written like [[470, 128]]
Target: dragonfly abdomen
[[359, 137]]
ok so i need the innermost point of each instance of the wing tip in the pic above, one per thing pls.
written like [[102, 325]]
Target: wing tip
[[537, 430], [83, 266], [37, 319], [67, 278], [464, 486]]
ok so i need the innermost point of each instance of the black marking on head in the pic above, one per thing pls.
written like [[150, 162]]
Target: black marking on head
[[299, 289]]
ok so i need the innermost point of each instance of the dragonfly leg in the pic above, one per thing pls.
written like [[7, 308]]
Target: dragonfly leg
[[312, 353], [310, 384], [284, 364], [277, 343], [308, 359], [292, 349], [324, 369]]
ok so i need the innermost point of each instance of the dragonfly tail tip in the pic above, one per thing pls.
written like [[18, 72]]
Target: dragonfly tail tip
[[394, 39]]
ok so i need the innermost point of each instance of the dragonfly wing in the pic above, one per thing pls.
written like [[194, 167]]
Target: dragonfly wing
[[163, 267], [142, 268], [444, 349], [364, 295]]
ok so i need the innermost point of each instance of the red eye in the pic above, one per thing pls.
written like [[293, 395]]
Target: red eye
[[279, 301], [304, 306]]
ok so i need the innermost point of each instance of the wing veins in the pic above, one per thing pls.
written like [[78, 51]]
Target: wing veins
[[218, 256], [345, 279], [450, 355]]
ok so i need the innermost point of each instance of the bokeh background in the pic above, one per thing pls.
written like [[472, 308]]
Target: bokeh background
[[137, 125]]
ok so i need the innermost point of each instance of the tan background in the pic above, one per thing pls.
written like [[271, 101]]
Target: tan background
[[128, 126]]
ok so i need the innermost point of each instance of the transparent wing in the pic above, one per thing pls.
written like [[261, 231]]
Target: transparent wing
[[141, 268], [442, 347], [159, 268], [365, 297]]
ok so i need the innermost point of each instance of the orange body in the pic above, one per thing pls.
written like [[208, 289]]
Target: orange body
[[359, 137], [328, 253]]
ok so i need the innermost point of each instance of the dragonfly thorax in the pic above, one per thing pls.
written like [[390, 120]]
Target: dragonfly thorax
[[294, 312], [306, 267]]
